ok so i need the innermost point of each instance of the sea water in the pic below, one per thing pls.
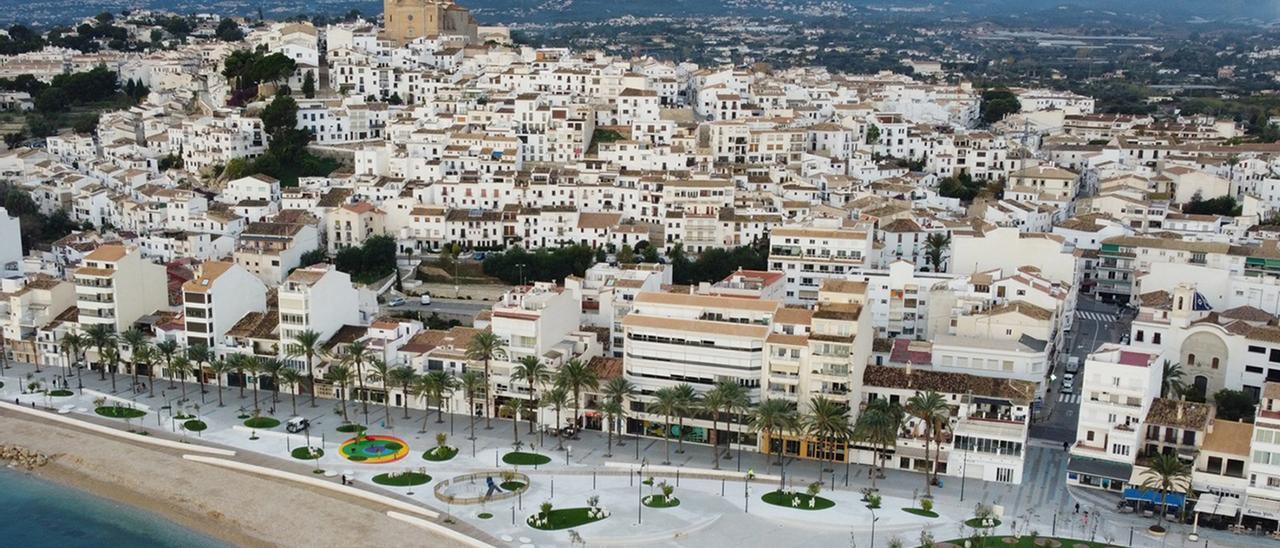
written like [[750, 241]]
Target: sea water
[[36, 512]]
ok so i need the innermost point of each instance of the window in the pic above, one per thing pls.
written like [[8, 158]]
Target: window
[[1088, 436], [1257, 349], [1118, 449], [1191, 359], [1139, 336], [1214, 363], [1004, 475], [1155, 338]]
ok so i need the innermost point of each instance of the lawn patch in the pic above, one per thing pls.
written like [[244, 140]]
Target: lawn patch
[[921, 512], [659, 501], [976, 523], [565, 518], [307, 453], [484, 515], [799, 501], [262, 422], [351, 427], [512, 485], [401, 479], [59, 393], [1023, 542], [195, 425], [440, 454], [521, 458], [119, 412]]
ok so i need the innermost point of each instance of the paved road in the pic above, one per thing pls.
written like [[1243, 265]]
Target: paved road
[[1096, 323], [445, 307]]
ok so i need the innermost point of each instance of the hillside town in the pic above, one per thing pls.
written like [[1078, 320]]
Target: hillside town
[[873, 270]]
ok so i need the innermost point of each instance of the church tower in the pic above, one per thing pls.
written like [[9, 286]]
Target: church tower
[[407, 20]]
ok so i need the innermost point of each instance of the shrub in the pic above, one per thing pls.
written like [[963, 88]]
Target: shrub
[[926, 505]]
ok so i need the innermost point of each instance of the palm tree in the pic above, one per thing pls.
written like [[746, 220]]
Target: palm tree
[[357, 354], [878, 425], [575, 377], [935, 245], [307, 344], [666, 403], [272, 367], [688, 399], [533, 371], [252, 365], [220, 368], [773, 417], [379, 371], [932, 410], [618, 390], [484, 347], [557, 397], [199, 355], [473, 383], [111, 356], [1171, 383], [237, 362], [828, 421], [340, 374], [134, 339], [404, 377], [71, 344], [441, 383], [168, 348], [293, 378], [181, 365], [514, 406], [1166, 472], [613, 411], [100, 336]]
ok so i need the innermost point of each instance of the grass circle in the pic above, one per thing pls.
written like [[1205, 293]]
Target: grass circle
[[307, 453], [659, 501], [920, 512], [440, 454], [59, 393], [512, 485], [484, 515], [525, 459], [262, 422], [976, 523], [195, 425], [119, 412], [351, 427], [563, 519], [786, 500], [403, 479]]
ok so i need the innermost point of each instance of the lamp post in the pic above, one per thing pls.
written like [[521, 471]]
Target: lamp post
[[964, 471], [568, 450], [874, 519], [639, 497], [746, 492]]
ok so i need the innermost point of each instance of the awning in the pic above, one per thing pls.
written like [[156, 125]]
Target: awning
[[1174, 500], [1263, 508], [1099, 468], [1218, 505]]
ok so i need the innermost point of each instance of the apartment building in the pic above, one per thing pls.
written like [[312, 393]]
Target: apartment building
[[115, 286], [808, 254], [270, 250], [319, 298], [1118, 387], [606, 293], [351, 224], [28, 304], [220, 294]]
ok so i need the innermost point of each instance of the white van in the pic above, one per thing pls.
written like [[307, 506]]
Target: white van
[[1073, 364]]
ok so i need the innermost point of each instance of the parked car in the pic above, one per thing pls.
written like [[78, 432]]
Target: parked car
[[396, 301], [425, 299], [1073, 364], [297, 424], [1068, 386]]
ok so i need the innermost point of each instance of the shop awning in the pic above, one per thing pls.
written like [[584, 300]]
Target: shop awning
[[1218, 505], [1263, 508], [1173, 500], [1100, 468]]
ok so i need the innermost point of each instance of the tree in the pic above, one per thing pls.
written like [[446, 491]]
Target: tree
[[719, 400], [935, 245], [356, 355], [612, 410], [293, 378], [168, 348], [220, 368], [1234, 405], [1222, 205], [873, 134], [200, 354], [473, 383], [996, 104], [773, 417], [272, 368], [111, 357], [557, 398], [251, 365], [135, 340], [1171, 383], [85, 124], [828, 422], [307, 344], [309, 84], [340, 375], [71, 344], [532, 371], [878, 425], [52, 100], [513, 407], [439, 382], [575, 376], [626, 255], [687, 404], [181, 366], [484, 347], [229, 31], [1166, 472], [281, 112], [932, 410], [100, 336], [404, 377], [667, 404], [618, 390], [380, 373]]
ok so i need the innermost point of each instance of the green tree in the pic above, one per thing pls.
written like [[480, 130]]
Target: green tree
[[531, 370], [1166, 472], [878, 425], [772, 418], [309, 85], [404, 377], [1235, 405], [933, 411], [576, 376], [306, 345], [723, 397], [935, 246], [667, 404], [996, 104], [484, 347], [229, 31], [828, 422], [342, 376], [1171, 383], [380, 372], [220, 369], [473, 383], [556, 398], [282, 112]]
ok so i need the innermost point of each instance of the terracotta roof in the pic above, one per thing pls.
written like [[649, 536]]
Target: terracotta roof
[[1180, 414], [108, 253], [209, 272], [794, 316], [605, 368], [1229, 437], [346, 334], [949, 383], [256, 325], [1247, 313]]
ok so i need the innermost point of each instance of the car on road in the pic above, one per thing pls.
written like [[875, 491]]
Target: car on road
[[396, 301], [425, 299], [1068, 383], [1073, 364], [297, 424]]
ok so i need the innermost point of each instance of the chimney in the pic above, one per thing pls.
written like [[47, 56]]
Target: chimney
[[1179, 411]]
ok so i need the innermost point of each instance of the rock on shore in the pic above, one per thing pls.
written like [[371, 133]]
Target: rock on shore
[[23, 457]]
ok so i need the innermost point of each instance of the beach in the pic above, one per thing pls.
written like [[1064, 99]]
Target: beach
[[238, 508]]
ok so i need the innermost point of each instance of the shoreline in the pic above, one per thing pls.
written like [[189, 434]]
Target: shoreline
[[235, 508]]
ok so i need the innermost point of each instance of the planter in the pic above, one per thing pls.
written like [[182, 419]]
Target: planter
[[1156, 531]]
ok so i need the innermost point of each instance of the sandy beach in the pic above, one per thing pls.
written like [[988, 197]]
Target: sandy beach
[[238, 508]]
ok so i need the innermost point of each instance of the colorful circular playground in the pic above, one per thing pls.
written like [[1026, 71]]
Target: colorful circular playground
[[374, 449]]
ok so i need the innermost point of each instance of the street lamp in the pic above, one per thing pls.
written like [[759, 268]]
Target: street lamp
[[568, 450], [639, 497], [874, 519]]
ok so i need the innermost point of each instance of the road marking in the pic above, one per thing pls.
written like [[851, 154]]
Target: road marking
[[1069, 398], [1096, 316]]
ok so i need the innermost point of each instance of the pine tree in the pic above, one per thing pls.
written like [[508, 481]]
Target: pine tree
[[309, 85]]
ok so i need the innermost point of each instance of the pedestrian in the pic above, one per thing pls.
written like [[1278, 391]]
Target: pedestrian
[[344, 479], [1077, 508], [1066, 446]]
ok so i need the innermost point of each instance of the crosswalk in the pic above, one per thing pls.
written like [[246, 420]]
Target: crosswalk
[[1069, 398], [1096, 316]]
